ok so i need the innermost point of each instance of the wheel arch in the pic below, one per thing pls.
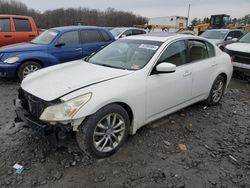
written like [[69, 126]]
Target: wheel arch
[[128, 110], [30, 59], [124, 105], [224, 75]]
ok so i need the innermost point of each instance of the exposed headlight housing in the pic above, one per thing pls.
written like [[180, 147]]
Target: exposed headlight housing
[[66, 110], [11, 60]]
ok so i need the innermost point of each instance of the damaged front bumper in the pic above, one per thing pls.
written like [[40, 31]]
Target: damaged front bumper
[[56, 134]]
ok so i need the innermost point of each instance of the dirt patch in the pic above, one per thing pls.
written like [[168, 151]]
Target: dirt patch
[[216, 152]]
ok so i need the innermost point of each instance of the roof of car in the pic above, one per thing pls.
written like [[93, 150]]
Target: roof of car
[[125, 28], [161, 36], [69, 28], [225, 30]]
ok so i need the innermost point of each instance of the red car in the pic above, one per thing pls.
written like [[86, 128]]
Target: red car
[[16, 29]]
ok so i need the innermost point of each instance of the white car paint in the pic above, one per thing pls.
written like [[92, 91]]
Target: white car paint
[[149, 96], [215, 41], [239, 47]]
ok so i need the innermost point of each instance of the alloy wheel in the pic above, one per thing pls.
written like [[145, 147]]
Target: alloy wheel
[[29, 69], [217, 91], [109, 132]]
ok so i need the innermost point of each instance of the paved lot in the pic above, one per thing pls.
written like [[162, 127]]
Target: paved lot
[[217, 151]]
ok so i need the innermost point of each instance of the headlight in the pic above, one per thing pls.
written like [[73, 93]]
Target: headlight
[[66, 110], [11, 60]]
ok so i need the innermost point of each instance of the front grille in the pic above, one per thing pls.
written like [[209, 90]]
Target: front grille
[[239, 57], [32, 104]]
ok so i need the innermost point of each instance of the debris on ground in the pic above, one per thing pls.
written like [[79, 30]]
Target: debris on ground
[[215, 150]]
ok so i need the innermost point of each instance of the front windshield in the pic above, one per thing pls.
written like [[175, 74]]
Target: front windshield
[[46, 37], [245, 38], [117, 31], [214, 34], [126, 54]]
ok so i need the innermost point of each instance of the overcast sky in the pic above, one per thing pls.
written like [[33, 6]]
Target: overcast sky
[[153, 8]]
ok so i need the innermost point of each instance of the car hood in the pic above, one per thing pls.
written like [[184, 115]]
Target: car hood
[[22, 47], [215, 41], [239, 47], [53, 82]]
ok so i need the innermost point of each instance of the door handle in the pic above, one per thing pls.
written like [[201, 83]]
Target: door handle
[[32, 35], [214, 64], [7, 36], [187, 73], [78, 49]]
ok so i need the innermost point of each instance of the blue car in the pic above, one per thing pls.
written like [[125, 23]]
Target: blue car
[[54, 46]]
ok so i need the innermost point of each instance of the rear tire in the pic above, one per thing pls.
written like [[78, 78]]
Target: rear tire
[[216, 91], [104, 132], [26, 68]]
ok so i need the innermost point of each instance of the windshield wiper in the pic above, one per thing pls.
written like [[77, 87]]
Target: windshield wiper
[[105, 65]]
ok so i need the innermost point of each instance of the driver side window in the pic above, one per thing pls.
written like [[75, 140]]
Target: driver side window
[[69, 38], [176, 54]]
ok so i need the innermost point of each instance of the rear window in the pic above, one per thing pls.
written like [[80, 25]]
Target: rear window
[[22, 24], [4, 25], [210, 49], [198, 50], [138, 32], [105, 36], [90, 36]]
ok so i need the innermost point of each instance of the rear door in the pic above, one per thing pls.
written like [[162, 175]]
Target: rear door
[[67, 47], [92, 40], [23, 30], [6, 34], [203, 61]]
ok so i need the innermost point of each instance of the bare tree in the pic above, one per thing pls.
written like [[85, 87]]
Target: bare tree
[[72, 16]]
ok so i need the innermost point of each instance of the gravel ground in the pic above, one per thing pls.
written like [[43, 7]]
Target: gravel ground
[[193, 148]]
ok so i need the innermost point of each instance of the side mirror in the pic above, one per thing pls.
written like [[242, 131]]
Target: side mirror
[[86, 59], [60, 44], [123, 36], [165, 68], [229, 38], [235, 40]]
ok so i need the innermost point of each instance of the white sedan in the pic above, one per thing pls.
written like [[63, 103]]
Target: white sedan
[[123, 87]]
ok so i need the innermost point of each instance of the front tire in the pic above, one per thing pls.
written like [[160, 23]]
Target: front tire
[[104, 132], [216, 91], [26, 68]]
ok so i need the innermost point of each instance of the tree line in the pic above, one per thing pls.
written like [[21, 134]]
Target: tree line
[[73, 16]]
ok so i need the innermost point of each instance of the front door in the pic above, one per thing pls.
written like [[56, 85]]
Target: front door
[[168, 90], [67, 48]]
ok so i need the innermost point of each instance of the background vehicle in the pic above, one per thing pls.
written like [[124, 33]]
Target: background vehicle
[[16, 29], [120, 32], [240, 54], [52, 47], [222, 37], [98, 99], [219, 21]]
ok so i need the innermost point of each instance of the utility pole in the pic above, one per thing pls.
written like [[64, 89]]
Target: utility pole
[[188, 14]]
